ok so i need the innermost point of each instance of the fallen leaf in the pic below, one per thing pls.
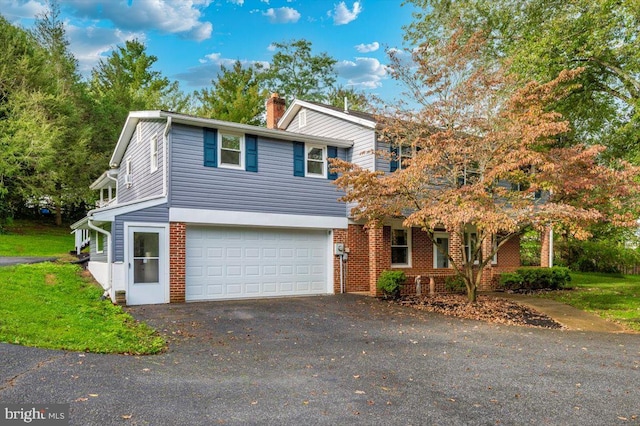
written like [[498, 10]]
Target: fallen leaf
[[359, 392], [82, 399], [356, 376], [93, 395], [126, 416]]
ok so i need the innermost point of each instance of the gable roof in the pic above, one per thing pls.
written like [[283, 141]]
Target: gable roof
[[357, 117], [173, 117]]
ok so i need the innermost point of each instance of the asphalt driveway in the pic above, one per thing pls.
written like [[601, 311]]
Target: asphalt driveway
[[336, 360]]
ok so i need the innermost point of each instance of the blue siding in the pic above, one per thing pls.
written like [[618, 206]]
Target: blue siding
[[272, 189], [156, 214]]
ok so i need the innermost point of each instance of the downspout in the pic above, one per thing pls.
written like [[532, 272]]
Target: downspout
[[108, 234]]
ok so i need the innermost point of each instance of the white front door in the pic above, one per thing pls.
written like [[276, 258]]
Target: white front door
[[146, 265]]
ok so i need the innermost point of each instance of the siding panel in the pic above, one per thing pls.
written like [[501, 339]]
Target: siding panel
[[273, 189]]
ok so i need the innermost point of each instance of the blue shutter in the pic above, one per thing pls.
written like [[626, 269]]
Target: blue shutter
[[332, 152], [395, 154], [298, 159], [210, 147], [251, 155]]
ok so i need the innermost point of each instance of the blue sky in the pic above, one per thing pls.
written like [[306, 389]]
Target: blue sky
[[192, 38]]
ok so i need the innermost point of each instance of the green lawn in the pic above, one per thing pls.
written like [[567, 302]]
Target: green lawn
[[51, 305], [614, 297], [36, 238]]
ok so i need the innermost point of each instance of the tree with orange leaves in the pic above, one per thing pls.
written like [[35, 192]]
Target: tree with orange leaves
[[481, 155]]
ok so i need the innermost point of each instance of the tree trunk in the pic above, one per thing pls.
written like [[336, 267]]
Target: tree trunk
[[472, 293], [58, 214]]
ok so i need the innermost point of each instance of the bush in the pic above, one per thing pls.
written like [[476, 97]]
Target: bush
[[528, 279], [455, 284], [390, 282]]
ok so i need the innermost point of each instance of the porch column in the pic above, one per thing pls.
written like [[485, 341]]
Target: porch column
[[456, 246], [376, 256], [546, 247], [177, 261]]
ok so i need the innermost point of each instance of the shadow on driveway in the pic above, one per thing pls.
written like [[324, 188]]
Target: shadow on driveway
[[329, 360]]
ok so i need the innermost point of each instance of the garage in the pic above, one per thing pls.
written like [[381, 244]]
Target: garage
[[235, 263]]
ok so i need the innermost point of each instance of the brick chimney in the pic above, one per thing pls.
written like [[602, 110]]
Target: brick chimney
[[275, 110]]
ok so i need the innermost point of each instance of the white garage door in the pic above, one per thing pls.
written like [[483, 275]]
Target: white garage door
[[234, 263]]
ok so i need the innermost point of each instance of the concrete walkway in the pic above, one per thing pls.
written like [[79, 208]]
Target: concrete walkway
[[570, 317], [7, 261]]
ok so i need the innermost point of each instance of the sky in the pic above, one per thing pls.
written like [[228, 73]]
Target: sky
[[193, 38]]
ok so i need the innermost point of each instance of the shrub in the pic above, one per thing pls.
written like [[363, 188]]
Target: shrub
[[536, 279], [390, 282], [455, 284]]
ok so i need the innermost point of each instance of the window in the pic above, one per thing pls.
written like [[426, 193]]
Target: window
[[138, 132], [316, 161], [153, 150], [470, 246], [469, 175], [302, 118], [441, 251], [231, 150], [400, 247], [128, 180], [400, 156], [99, 243]]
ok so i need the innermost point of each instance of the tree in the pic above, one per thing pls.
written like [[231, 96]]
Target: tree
[[355, 100], [486, 159], [50, 122], [22, 63], [124, 82], [295, 73], [539, 38], [234, 96]]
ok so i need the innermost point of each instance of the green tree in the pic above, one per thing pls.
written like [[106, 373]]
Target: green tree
[[356, 100], [124, 82], [22, 63], [539, 38], [295, 73], [55, 118], [235, 95]]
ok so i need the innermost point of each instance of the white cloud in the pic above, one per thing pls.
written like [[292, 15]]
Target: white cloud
[[91, 44], [342, 15], [366, 73], [15, 10], [366, 48], [282, 15], [168, 16], [201, 75]]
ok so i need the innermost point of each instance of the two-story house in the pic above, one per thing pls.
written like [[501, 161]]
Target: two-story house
[[200, 209]]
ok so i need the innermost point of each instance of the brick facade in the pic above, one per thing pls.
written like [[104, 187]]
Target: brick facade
[[370, 254], [177, 261]]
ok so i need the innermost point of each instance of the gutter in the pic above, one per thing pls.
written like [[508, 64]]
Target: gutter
[[109, 249]]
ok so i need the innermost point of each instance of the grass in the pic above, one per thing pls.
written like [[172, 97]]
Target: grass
[[612, 296], [51, 305], [36, 238]]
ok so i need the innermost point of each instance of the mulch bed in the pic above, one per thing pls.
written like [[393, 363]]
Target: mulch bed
[[488, 308]]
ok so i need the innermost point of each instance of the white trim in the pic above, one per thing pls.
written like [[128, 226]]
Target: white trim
[[309, 147], [302, 118], [240, 218], [108, 214], [436, 252], [409, 246], [297, 104], [241, 151], [154, 159], [164, 253], [99, 247]]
